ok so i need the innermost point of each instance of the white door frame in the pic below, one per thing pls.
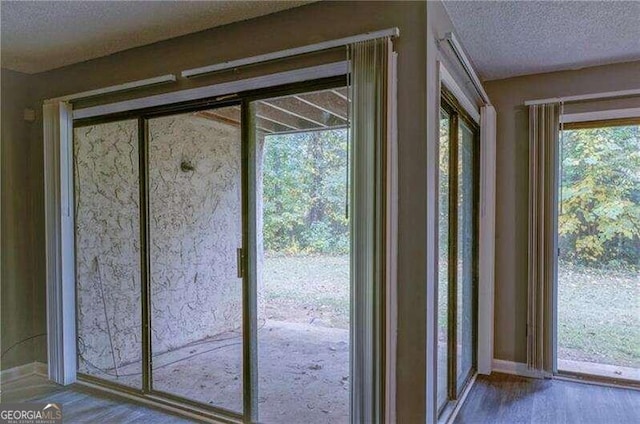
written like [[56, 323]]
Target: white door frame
[[485, 117], [59, 210]]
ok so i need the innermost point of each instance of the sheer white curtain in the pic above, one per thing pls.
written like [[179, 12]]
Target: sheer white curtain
[[544, 130], [371, 75]]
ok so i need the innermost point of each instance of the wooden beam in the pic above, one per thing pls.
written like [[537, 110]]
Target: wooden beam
[[298, 109], [282, 117], [232, 116], [342, 93], [326, 102]]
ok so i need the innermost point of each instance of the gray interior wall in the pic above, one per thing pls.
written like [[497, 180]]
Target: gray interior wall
[[20, 258], [508, 97], [296, 27]]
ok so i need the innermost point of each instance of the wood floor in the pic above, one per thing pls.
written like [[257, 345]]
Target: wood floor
[[81, 405], [498, 399], [506, 399]]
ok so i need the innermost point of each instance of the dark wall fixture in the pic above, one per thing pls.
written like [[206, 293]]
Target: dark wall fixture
[[186, 166]]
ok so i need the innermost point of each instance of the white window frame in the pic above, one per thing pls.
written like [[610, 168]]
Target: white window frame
[[600, 115]]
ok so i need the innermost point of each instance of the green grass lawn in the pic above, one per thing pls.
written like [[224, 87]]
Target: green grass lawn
[[312, 289], [599, 315], [598, 310]]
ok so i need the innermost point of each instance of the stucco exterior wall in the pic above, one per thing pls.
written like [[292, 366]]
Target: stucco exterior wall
[[195, 223], [107, 244]]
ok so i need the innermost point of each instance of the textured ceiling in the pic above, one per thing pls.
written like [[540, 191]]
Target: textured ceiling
[[42, 35], [506, 39]]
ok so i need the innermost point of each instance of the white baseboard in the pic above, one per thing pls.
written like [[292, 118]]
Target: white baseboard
[[22, 371], [41, 369], [515, 368]]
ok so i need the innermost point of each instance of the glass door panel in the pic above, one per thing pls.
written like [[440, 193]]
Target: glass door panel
[[598, 303], [302, 258], [443, 262], [195, 229], [107, 237], [465, 280]]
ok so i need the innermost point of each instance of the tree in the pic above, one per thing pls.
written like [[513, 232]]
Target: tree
[[599, 219], [305, 192]]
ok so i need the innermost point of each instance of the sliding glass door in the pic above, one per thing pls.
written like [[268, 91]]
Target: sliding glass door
[[195, 231], [213, 255], [457, 247], [598, 280], [302, 257]]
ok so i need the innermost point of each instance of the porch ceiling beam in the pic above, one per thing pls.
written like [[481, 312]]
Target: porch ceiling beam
[[335, 106], [232, 116], [289, 105], [282, 116], [341, 92]]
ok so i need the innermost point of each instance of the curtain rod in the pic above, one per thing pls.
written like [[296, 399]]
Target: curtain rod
[[593, 96], [163, 79], [451, 39], [216, 90], [311, 48]]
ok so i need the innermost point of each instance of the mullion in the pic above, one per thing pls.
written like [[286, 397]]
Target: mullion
[[145, 278], [453, 256], [249, 281], [476, 244]]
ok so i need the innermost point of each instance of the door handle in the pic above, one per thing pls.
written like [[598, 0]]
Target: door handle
[[240, 262]]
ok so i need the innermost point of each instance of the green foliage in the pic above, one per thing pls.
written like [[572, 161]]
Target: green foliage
[[304, 192], [600, 196]]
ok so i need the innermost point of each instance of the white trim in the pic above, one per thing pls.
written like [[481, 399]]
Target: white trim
[[452, 40], [578, 380], [41, 369], [116, 88], [600, 115], [593, 96], [59, 233], [447, 79], [392, 243], [218, 90], [22, 371], [434, 86], [325, 45], [16, 373], [486, 239], [515, 368]]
